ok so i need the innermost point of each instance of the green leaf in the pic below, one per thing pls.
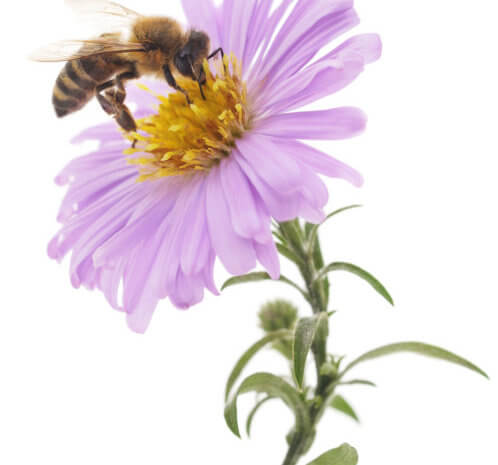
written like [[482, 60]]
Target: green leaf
[[342, 405], [278, 236], [253, 412], [260, 276], [251, 352], [312, 234], [340, 266], [293, 234], [344, 455], [319, 346], [314, 248], [275, 387], [288, 253], [304, 335], [247, 278], [322, 286], [417, 348], [308, 228], [360, 382]]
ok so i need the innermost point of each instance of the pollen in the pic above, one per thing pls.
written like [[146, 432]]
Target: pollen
[[182, 138]]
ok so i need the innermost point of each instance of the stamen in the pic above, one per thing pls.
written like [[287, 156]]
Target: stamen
[[181, 138]]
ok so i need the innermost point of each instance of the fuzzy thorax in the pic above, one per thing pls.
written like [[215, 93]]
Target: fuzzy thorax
[[183, 139]]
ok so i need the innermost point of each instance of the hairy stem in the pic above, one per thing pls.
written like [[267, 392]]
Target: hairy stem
[[318, 301]]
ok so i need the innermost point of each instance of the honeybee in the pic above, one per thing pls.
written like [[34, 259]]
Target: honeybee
[[149, 45]]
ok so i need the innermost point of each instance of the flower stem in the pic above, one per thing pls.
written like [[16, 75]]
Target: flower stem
[[310, 259]]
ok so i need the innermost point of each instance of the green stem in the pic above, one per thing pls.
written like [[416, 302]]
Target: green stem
[[318, 302]]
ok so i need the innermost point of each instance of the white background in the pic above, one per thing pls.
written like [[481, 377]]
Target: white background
[[77, 387]]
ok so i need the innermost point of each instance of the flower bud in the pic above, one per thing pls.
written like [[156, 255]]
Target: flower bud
[[278, 314]]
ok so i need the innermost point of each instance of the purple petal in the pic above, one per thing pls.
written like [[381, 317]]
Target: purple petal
[[257, 30], [268, 256], [187, 291], [262, 154], [338, 123], [236, 17], [313, 83], [169, 254], [265, 32], [196, 246], [311, 214], [100, 231], [367, 46], [311, 25], [314, 189], [109, 281], [139, 295], [283, 206], [280, 206], [328, 75], [322, 163], [140, 228], [241, 204], [139, 300], [208, 275], [236, 253]]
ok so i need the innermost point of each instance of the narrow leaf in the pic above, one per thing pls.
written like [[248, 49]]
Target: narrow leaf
[[344, 455], [357, 271], [304, 336], [260, 276], [321, 286], [360, 382], [315, 249], [342, 405], [417, 348], [319, 346], [293, 234], [308, 228], [288, 253], [247, 278], [312, 233], [278, 236], [250, 353], [275, 387], [253, 412]]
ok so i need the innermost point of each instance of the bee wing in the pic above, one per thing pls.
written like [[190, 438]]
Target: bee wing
[[102, 7], [102, 16], [67, 50]]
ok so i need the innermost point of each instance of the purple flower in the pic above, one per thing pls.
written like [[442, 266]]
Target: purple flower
[[211, 180]]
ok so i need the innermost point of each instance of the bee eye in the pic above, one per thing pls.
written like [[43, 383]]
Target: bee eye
[[183, 63]]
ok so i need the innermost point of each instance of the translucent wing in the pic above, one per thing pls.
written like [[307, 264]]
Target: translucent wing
[[102, 7], [67, 50], [103, 15]]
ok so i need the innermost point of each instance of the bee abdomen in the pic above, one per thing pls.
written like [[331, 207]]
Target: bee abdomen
[[73, 89]]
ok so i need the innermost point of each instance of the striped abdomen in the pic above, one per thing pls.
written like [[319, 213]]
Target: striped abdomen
[[78, 81]]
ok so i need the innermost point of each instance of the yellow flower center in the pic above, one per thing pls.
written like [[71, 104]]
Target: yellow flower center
[[182, 138]]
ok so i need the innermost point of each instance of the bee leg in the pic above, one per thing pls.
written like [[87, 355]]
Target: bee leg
[[107, 104], [125, 119], [118, 95], [112, 101], [218, 50], [222, 53], [201, 89], [106, 100], [119, 83], [170, 79]]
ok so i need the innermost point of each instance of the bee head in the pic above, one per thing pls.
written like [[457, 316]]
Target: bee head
[[189, 58]]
